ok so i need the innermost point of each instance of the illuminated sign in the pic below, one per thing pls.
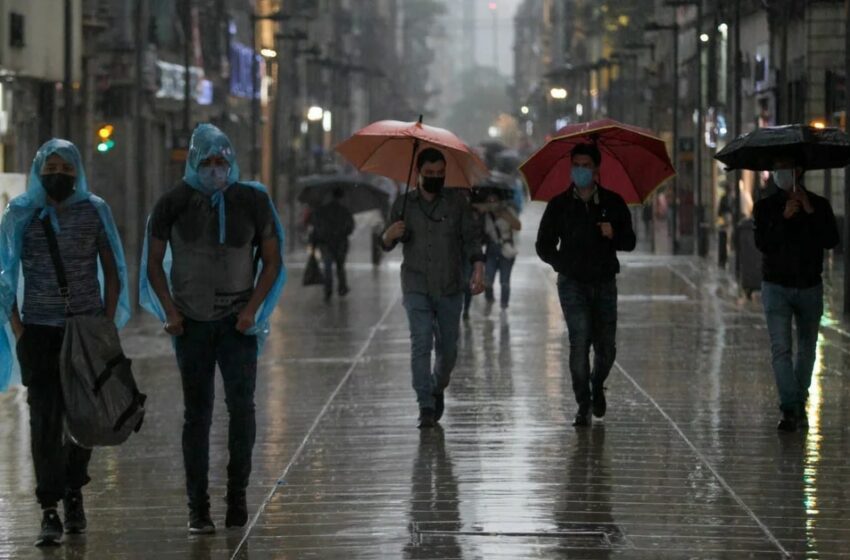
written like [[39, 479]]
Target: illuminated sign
[[171, 82]]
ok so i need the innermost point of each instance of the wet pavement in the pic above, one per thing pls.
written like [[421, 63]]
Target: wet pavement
[[687, 463]]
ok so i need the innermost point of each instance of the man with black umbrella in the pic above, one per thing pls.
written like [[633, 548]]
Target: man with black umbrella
[[792, 229]]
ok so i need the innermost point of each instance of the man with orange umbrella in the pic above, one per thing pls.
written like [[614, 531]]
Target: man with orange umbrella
[[580, 233], [437, 228]]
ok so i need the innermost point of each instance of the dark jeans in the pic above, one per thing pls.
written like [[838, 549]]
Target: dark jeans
[[434, 324], [496, 262], [199, 348], [60, 465], [591, 313], [467, 287], [331, 257], [781, 306]]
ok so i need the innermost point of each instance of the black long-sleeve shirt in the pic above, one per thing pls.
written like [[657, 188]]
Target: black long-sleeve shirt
[[792, 249], [571, 241]]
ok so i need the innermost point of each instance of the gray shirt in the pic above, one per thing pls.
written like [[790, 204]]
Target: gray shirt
[[211, 280], [441, 233]]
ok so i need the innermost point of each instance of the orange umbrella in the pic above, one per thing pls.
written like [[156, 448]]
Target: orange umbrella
[[389, 148]]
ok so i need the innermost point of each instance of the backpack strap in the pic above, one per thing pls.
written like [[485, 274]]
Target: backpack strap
[[53, 247]]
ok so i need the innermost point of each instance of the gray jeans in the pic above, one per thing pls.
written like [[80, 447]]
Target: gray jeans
[[434, 325]]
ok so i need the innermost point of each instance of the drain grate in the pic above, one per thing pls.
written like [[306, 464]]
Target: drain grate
[[580, 537]]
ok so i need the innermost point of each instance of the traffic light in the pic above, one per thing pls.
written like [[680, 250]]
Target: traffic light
[[106, 142]]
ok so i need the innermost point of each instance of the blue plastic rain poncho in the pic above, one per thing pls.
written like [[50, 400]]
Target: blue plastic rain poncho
[[208, 141], [18, 215]]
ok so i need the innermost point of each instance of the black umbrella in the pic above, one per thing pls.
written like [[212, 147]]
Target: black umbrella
[[360, 192], [808, 147], [497, 183]]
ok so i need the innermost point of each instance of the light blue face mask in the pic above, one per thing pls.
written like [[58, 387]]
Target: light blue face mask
[[582, 177], [784, 179], [213, 177]]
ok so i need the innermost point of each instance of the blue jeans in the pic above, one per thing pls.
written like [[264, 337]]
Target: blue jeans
[[434, 325], [805, 306], [590, 310], [496, 262], [199, 348]]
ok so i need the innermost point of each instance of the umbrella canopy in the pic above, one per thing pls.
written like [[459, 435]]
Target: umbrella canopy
[[389, 148], [360, 192], [634, 161], [808, 147], [497, 183]]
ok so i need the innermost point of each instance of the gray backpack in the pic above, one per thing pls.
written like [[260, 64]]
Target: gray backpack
[[102, 403]]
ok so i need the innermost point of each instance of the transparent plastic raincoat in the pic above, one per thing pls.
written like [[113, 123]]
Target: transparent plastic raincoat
[[207, 141], [21, 211]]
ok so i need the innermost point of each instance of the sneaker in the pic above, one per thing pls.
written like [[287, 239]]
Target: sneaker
[[344, 291], [237, 510], [599, 403], [426, 418], [439, 405], [581, 420], [51, 529], [75, 515], [200, 522], [788, 422]]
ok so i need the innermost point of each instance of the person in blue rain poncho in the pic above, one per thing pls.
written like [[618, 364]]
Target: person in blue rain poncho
[[57, 197], [212, 271]]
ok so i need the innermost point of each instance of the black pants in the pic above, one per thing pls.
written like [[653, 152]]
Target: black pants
[[199, 348], [60, 465], [335, 256]]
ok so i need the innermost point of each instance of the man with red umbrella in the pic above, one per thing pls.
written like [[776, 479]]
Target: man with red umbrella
[[580, 233], [437, 228]]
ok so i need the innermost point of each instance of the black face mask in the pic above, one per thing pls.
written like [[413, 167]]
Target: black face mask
[[59, 186], [433, 185]]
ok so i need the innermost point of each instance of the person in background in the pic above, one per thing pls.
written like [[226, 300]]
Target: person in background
[[332, 224], [500, 223]]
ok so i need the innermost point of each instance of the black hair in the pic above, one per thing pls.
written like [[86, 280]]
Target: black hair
[[429, 155], [587, 150]]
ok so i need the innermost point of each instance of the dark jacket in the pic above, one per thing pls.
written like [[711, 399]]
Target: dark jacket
[[792, 250], [571, 241], [332, 224]]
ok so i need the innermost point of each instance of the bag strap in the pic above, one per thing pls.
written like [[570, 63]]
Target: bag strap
[[53, 247]]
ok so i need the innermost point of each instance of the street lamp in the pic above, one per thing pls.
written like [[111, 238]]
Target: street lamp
[[315, 113], [674, 27], [524, 109], [558, 93]]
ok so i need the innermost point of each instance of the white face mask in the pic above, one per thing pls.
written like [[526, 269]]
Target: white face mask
[[784, 178]]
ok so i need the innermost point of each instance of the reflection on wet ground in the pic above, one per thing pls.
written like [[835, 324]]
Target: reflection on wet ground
[[687, 464]]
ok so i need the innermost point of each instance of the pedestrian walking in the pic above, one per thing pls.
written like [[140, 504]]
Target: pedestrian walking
[[332, 224], [225, 275], [500, 223], [724, 225], [58, 198], [580, 233], [436, 229], [793, 227]]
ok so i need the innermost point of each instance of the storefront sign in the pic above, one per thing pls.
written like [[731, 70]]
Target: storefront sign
[[171, 81], [241, 68]]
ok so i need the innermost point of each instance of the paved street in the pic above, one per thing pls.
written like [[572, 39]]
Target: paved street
[[687, 464]]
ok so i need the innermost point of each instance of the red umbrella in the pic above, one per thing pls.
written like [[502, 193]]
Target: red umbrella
[[389, 148], [634, 161]]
